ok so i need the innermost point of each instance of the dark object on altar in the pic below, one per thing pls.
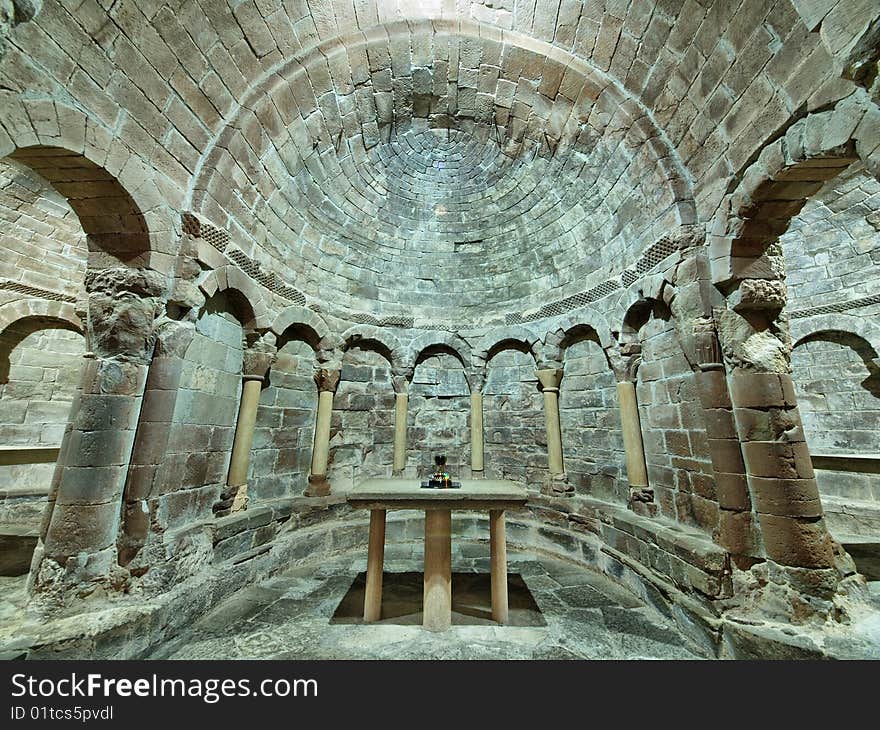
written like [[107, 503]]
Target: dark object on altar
[[440, 479]]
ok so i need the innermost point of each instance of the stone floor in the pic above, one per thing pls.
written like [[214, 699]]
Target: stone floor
[[558, 611]]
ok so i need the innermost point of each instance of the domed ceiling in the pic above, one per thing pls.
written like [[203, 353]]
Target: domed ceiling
[[440, 175]]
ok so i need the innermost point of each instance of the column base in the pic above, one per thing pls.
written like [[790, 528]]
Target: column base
[[557, 485], [641, 501], [241, 499], [318, 486], [232, 499]]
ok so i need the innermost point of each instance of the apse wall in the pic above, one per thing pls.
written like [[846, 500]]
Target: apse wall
[[832, 264], [423, 172]]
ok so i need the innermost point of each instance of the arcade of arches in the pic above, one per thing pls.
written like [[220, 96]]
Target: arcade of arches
[[624, 253]]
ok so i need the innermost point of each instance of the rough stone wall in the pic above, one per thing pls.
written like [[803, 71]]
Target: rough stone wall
[[362, 427], [839, 401], [676, 445], [592, 441], [439, 411], [285, 428], [35, 397], [832, 258], [204, 419], [514, 436], [832, 247], [37, 389], [43, 242]]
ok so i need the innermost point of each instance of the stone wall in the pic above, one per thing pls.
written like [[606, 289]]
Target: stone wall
[[839, 400], [514, 435], [285, 428], [362, 427], [592, 441], [832, 247], [439, 414], [197, 459], [676, 445], [832, 260], [42, 240], [39, 374]]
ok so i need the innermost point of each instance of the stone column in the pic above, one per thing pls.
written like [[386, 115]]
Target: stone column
[[401, 400], [477, 434], [557, 484], [780, 471], [327, 382], [736, 525], [636, 469], [79, 552], [153, 434], [57, 473], [255, 364], [641, 496]]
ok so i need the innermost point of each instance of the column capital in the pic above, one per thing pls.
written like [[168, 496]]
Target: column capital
[[549, 379], [257, 361], [625, 361], [400, 380], [125, 307], [476, 378], [707, 346], [327, 380]]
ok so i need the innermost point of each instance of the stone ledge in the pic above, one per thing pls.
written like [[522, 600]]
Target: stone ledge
[[682, 553]]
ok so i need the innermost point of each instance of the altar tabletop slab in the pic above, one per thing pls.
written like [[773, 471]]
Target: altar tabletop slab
[[474, 494]]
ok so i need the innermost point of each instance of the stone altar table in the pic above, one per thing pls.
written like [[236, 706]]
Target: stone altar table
[[380, 495]]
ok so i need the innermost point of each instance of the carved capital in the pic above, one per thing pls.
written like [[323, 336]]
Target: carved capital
[[476, 379], [173, 337], [124, 306], [549, 379], [625, 361], [327, 380], [257, 360], [758, 294], [400, 381], [707, 348]]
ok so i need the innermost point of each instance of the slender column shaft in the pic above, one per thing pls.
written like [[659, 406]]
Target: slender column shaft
[[498, 564], [437, 600], [550, 380], [400, 405], [322, 433], [477, 433], [327, 382], [244, 431], [375, 563], [636, 470]]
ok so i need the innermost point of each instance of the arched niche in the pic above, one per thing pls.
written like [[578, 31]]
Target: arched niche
[[592, 441], [439, 408], [285, 426], [837, 381], [362, 428], [513, 414]]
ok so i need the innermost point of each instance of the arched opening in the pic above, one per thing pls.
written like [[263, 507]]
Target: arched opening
[[115, 227], [838, 387], [285, 426], [40, 363], [439, 405], [513, 415], [592, 440], [362, 431]]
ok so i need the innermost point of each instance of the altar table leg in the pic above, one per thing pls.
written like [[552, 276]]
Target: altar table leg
[[375, 561], [498, 562], [437, 608]]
